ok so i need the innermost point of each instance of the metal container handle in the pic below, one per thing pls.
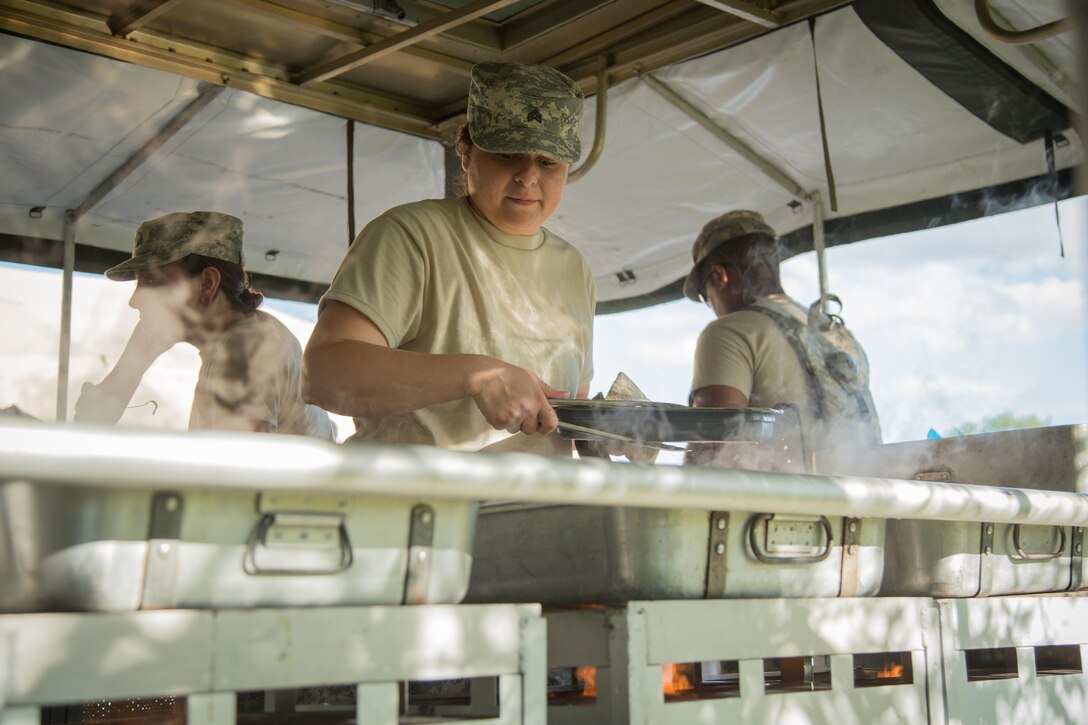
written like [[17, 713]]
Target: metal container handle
[[766, 558], [1021, 554], [257, 536]]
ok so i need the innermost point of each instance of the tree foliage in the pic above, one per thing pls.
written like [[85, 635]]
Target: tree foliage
[[1002, 421]]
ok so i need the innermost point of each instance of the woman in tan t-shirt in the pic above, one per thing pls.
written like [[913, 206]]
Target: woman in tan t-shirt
[[515, 152]]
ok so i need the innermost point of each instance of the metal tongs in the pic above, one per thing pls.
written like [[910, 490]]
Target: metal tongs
[[616, 437], [623, 390]]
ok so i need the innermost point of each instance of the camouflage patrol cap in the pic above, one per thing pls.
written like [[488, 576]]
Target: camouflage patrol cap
[[171, 237], [522, 109], [717, 232]]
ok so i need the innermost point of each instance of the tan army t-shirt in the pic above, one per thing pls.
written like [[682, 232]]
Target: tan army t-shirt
[[746, 350], [249, 380], [434, 276]]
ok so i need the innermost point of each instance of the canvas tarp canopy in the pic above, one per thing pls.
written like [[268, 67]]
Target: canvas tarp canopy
[[915, 136]]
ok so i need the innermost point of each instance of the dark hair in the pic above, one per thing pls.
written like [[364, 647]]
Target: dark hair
[[751, 261], [233, 281], [463, 140], [463, 136]]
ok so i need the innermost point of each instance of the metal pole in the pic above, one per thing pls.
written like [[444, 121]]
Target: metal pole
[[1079, 12], [774, 173], [1017, 37], [351, 181], [599, 126], [818, 244], [136, 459], [64, 352]]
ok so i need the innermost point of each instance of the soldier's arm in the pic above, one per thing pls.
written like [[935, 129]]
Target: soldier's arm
[[718, 396]]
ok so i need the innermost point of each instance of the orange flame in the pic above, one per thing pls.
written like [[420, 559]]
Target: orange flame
[[587, 675], [890, 672], [677, 677]]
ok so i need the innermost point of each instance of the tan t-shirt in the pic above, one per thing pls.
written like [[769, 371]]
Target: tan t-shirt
[[249, 380], [746, 350], [436, 277]]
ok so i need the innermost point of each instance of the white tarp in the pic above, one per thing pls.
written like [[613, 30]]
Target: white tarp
[[68, 119], [894, 139]]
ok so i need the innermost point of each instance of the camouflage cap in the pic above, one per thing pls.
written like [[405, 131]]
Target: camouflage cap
[[171, 237], [522, 109], [717, 232]]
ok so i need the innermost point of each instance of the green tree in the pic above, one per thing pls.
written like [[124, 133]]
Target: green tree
[[1002, 421]]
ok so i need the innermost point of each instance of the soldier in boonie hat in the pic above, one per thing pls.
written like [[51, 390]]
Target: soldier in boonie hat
[[725, 228], [191, 288], [521, 109], [172, 237]]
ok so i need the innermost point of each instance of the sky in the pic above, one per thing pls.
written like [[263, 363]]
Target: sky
[[959, 323]]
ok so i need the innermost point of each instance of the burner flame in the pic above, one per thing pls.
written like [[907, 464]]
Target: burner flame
[[587, 675], [890, 672], [677, 677]]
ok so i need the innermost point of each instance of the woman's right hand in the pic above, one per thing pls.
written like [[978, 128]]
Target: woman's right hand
[[514, 399]]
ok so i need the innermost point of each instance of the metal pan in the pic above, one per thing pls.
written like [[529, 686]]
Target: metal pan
[[648, 421]]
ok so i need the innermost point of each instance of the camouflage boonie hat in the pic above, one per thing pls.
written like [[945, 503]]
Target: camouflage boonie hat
[[524, 109], [717, 232], [171, 237]]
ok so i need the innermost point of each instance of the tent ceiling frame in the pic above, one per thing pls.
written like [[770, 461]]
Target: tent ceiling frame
[[140, 15], [666, 33], [746, 11], [348, 33], [203, 63], [544, 19], [481, 33], [407, 38], [639, 55], [713, 32]]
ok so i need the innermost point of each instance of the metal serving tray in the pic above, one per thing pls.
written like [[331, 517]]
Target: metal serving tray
[[79, 548], [649, 421], [951, 559], [565, 555]]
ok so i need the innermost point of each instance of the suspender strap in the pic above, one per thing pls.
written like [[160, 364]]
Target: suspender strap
[[791, 328]]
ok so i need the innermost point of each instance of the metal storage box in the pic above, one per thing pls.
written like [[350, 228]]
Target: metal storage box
[[950, 559], [600, 555], [81, 548]]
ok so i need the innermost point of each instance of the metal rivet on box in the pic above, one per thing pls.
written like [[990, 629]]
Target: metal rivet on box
[[853, 526], [421, 555], [425, 517], [989, 550], [1078, 548], [164, 549], [989, 529], [720, 548], [721, 524], [171, 503]]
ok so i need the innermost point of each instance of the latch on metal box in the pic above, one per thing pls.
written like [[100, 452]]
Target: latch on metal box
[[777, 539], [299, 535]]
